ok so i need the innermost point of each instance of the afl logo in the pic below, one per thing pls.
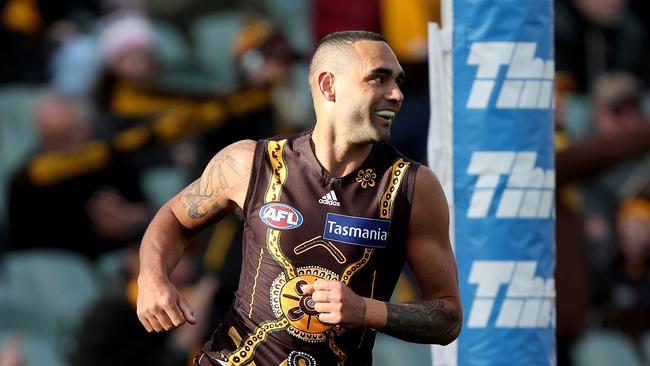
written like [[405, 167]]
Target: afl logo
[[280, 216]]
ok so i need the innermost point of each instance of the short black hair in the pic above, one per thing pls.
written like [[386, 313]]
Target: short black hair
[[338, 41], [351, 36]]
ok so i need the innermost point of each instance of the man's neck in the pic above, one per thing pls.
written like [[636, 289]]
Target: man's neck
[[336, 153]]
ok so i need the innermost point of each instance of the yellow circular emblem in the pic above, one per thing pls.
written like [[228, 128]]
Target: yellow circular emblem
[[288, 300]]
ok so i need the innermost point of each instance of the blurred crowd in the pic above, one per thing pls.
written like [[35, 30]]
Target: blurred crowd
[[109, 107], [603, 182]]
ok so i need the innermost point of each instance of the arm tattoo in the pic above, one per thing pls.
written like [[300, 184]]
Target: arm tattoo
[[423, 321], [230, 174], [196, 195]]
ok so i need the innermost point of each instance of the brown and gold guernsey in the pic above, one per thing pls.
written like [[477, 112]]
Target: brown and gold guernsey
[[302, 224]]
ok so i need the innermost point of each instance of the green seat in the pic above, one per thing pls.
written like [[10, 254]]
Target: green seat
[[16, 125], [605, 348], [212, 36], [161, 184], [59, 284], [22, 316], [110, 266], [16, 138], [392, 351], [36, 350], [645, 344]]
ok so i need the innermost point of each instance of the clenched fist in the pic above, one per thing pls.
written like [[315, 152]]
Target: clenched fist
[[337, 303], [160, 306]]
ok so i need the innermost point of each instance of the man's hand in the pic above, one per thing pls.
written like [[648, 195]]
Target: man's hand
[[160, 306], [337, 303]]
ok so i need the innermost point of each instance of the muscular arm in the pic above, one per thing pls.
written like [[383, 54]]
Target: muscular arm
[[220, 190], [436, 318]]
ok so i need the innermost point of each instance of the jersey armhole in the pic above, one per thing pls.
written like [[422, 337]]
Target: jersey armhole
[[254, 176], [408, 189]]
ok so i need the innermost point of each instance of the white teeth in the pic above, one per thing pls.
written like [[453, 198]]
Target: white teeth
[[386, 114]]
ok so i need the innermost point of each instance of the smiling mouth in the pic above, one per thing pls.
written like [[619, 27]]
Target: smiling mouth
[[386, 114]]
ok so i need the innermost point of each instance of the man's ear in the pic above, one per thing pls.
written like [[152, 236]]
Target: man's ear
[[326, 86]]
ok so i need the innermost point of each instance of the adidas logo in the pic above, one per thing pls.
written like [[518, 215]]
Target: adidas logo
[[330, 199]]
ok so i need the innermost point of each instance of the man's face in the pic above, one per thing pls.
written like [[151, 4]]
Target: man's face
[[368, 92]]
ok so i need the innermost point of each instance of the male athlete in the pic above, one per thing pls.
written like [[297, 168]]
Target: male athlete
[[330, 216]]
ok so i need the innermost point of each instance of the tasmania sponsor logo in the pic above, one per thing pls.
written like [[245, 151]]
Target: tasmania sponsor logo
[[357, 230], [528, 80], [280, 216], [529, 300], [529, 190]]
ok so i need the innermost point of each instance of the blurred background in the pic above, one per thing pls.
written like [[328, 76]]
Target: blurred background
[[110, 107]]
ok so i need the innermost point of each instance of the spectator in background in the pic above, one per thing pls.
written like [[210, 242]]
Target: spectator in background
[[625, 294], [131, 93], [29, 29], [617, 103], [264, 57], [73, 192], [130, 64], [582, 161], [616, 100], [596, 36]]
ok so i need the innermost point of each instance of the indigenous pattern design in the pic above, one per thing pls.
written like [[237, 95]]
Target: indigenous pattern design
[[287, 330]]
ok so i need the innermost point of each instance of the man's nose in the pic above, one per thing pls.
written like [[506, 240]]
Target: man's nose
[[395, 94]]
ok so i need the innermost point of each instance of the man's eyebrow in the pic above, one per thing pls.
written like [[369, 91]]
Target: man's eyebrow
[[382, 71], [386, 71]]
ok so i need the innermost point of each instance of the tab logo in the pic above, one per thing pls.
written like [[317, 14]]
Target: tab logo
[[529, 191], [529, 300], [357, 230], [280, 216], [528, 81]]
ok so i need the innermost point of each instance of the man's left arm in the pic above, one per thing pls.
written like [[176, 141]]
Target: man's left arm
[[437, 316]]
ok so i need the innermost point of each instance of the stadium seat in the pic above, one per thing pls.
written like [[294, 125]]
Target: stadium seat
[[109, 265], [22, 316], [16, 137], [577, 117], [162, 183], [59, 285], [293, 17], [170, 45], [392, 351], [645, 344], [35, 350], [605, 348], [212, 36], [16, 127]]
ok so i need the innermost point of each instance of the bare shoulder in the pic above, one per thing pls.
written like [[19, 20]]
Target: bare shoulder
[[429, 202], [242, 150], [427, 185], [219, 190], [230, 169], [233, 163]]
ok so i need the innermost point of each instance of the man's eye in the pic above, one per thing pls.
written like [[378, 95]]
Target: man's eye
[[377, 79]]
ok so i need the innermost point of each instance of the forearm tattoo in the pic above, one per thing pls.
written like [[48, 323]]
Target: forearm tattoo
[[423, 321], [230, 173]]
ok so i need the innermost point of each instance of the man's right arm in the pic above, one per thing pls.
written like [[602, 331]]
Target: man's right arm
[[221, 189]]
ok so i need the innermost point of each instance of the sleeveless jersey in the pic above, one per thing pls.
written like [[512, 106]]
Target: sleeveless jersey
[[302, 224]]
